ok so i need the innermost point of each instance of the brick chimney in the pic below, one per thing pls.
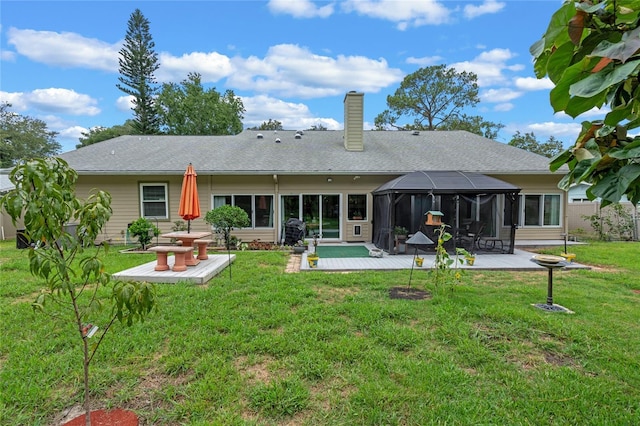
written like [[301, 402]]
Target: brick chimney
[[354, 121]]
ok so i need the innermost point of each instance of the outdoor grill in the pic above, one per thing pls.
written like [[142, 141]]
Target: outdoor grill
[[294, 231]]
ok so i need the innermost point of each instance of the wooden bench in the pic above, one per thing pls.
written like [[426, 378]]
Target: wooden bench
[[202, 248], [179, 252]]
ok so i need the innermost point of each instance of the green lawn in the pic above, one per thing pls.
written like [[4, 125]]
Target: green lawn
[[333, 349]]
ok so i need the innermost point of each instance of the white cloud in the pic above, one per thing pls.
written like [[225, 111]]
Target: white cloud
[[532, 83], [66, 50], [293, 116], [300, 8], [425, 60], [125, 103], [405, 13], [594, 112], [499, 95], [53, 100], [290, 70], [489, 66], [73, 132], [63, 101], [559, 130], [504, 107], [16, 99], [489, 6], [8, 56], [211, 66]]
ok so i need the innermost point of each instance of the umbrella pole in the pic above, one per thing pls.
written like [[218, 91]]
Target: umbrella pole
[[188, 226]]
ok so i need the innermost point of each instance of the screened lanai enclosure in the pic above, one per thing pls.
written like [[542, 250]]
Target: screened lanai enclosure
[[480, 211]]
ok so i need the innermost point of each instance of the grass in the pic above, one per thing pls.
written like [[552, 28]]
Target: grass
[[333, 349]]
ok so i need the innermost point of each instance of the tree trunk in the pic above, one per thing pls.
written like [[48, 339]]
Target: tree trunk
[[87, 405]]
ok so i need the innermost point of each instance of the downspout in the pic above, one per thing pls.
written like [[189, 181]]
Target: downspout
[[277, 228]]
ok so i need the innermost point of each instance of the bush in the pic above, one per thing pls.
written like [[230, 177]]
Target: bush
[[144, 230], [613, 222]]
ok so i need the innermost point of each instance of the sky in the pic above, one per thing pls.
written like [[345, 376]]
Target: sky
[[289, 60]]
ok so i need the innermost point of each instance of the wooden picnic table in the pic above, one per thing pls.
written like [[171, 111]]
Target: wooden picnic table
[[187, 239]]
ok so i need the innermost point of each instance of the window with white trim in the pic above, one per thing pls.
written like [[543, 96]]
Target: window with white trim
[[357, 206], [540, 209], [259, 207], [154, 200]]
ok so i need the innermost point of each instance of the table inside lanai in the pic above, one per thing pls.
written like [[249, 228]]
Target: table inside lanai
[[187, 239]]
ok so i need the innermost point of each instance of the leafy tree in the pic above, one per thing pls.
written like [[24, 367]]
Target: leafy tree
[[474, 124], [138, 61], [23, 137], [528, 142], [73, 273], [318, 126], [99, 134], [434, 97], [144, 230], [224, 219], [268, 125], [188, 109], [590, 52]]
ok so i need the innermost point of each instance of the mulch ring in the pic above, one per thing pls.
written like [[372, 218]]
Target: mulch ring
[[408, 293], [117, 417]]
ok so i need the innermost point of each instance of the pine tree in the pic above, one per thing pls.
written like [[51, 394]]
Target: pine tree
[[137, 63]]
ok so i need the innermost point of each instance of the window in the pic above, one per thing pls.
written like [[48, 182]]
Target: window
[[259, 208], [357, 209], [153, 200], [540, 210]]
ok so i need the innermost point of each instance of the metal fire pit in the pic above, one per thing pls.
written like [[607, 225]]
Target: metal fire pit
[[551, 263]]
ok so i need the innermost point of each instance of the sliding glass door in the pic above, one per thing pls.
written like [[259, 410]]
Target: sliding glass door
[[320, 212]]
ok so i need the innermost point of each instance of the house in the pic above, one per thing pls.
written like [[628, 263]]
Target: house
[[325, 178], [7, 228]]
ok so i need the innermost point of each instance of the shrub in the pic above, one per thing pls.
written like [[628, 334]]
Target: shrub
[[144, 230]]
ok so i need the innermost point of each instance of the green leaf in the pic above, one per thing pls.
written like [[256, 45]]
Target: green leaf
[[557, 32], [628, 152], [578, 105], [613, 186], [559, 61], [621, 50], [597, 82], [559, 160], [560, 94]]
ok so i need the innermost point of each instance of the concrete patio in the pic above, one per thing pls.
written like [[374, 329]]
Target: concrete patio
[[207, 269], [520, 260], [199, 274]]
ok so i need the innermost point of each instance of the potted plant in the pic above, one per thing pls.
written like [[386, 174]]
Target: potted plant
[[400, 233], [357, 215], [312, 258], [300, 247], [470, 257]]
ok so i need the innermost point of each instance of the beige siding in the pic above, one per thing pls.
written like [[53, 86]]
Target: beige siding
[[125, 194], [353, 119], [126, 203], [547, 184]]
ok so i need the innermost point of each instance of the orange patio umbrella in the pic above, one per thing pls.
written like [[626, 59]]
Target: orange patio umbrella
[[189, 202]]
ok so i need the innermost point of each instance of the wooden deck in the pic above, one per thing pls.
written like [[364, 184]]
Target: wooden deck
[[199, 274]]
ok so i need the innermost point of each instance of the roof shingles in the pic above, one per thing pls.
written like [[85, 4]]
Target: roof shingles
[[315, 153]]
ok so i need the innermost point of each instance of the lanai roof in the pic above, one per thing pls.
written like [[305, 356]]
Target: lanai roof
[[446, 182], [315, 152]]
